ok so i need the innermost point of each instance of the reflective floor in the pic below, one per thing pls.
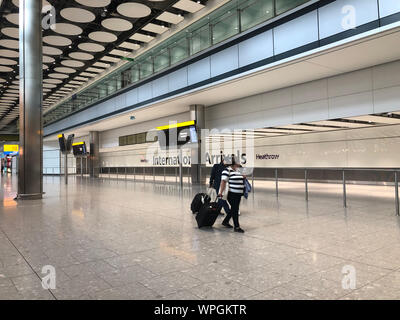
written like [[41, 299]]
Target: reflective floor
[[111, 239]]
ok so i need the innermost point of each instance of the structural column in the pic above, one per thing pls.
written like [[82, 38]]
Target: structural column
[[197, 113], [30, 173], [94, 158]]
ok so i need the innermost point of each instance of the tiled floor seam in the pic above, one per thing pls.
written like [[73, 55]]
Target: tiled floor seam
[[30, 266]]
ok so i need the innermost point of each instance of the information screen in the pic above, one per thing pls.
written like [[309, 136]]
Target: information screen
[[79, 149], [178, 134]]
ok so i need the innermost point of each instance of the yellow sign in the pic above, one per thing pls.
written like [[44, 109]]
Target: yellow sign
[[78, 143], [177, 125], [11, 148]]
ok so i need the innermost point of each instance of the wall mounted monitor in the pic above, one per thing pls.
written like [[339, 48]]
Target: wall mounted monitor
[[62, 143], [178, 134], [79, 149]]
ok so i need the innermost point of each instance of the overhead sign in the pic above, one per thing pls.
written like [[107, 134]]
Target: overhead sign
[[11, 148], [79, 149], [177, 134], [177, 125]]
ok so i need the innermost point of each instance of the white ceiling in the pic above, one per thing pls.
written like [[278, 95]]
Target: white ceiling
[[320, 64]]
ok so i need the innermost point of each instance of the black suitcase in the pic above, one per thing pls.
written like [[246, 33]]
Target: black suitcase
[[199, 200], [208, 214]]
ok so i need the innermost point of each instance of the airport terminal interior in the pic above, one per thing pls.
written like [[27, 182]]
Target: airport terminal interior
[[115, 114]]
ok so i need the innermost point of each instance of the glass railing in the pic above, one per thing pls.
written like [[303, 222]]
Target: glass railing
[[229, 20]]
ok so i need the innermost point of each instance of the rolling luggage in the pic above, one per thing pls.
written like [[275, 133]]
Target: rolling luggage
[[199, 200], [208, 214]]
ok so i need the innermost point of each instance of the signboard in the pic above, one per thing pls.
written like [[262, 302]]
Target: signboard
[[177, 134], [11, 149], [62, 143], [79, 149]]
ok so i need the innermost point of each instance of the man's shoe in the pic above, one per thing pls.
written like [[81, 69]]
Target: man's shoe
[[240, 230], [227, 225]]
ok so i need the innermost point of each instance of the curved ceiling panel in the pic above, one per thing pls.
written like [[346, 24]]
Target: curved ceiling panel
[[11, 32], [67, 29], [48, 85], [7, 62], [52, 51], [94, 3], [117, 24], [133, 10], [12, 44], [58, 75], [64, 70], [5, 69], [81, 56], [91, 47], [77, 15], [13, 18], [57, 41], [72, 63], [47, 59], [9, 53], [55, 81], [103, 36]]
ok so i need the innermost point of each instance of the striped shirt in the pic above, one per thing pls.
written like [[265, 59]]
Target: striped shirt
[[235, 180]]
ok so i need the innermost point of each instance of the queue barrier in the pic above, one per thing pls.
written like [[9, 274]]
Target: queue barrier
[[171, 174]]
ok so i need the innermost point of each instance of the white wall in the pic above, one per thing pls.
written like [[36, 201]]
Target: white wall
[[367, 91], [374, 147], [53, 161]]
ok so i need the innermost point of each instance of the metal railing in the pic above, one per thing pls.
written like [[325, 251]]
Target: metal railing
[[342, 171], [172, 174]]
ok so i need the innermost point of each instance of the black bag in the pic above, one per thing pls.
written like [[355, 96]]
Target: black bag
[[199, 200], [208, 214]]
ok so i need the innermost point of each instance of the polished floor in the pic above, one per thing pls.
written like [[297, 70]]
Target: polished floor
[[110, 239]]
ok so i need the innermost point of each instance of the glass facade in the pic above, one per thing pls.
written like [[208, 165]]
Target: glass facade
[[229, 20], [132, 139]]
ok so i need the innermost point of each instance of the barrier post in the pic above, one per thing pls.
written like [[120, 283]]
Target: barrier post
[[144, 174], [396, 188], [164, 174], [180, 168], [276, 182], [125, 174], [344, 190], [306, 183], [134, 174], [154, 174]]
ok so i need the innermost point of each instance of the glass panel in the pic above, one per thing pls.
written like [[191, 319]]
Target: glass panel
[[161, 60], [126, 78], [285, 5], [225, 26], [179, 50], [255, 12], [146, 67], [122, 141], [200, 39], [141, 138], [131, 139], [134, 73]]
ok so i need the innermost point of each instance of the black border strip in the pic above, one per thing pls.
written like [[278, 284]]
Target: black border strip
[[314, 45]]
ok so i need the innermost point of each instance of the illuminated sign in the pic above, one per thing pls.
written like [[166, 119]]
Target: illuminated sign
[[178, 125], [11, 148]]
